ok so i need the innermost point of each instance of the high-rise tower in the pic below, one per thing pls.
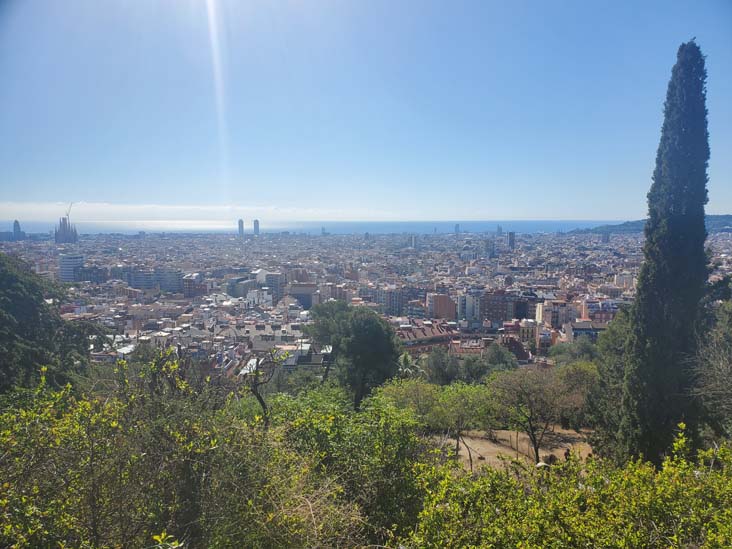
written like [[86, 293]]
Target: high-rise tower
[[241, 228], [256, 227], [17, 233]]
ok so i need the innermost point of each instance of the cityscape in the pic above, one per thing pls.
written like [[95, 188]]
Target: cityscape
[[394, 275], [229, 297]]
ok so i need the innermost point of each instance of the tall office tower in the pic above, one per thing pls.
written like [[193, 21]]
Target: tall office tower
[[17, 233], [606, 238], [490, 248], [65, 233], [457, 228], [68, 265], [241, 228], [511, 240], [499, 230], [256, 227]]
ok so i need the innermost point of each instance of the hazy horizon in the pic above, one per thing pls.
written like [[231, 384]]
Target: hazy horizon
[[226, 226]]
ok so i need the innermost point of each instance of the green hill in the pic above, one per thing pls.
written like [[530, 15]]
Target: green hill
[[715, 224]]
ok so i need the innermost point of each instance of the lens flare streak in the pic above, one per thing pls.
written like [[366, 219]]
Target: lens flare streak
[[219, 90]]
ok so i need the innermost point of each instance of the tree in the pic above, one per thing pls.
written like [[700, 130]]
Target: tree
[[576, 381], [474, 369], [369, 352], [261, 374], [364, 345], [461, 407], [499, 358], [714, 372], [442, 368], [409, 368], [528, 399], [672, 279], [582, 349], [605, 398], [416, 395], [375, 452], [330, 320]]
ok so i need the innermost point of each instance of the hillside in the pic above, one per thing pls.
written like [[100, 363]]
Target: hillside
[[715, 224]]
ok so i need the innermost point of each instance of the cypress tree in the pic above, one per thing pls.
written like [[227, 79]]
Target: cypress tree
[[671, 282]]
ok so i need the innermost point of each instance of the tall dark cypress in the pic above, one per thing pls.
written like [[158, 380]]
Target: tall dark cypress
[[671, 282]]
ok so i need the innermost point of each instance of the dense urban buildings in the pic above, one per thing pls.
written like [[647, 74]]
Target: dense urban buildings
[[525, 291]]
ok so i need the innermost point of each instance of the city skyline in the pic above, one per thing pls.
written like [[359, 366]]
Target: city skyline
[[333, 113]]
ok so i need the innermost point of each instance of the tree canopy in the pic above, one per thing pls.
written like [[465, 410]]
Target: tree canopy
[[673, 277], [32, 333]]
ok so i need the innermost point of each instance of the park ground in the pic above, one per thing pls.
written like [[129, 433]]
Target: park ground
[[487, 451]]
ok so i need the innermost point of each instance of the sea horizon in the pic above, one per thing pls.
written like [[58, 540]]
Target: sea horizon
[[521, 226]]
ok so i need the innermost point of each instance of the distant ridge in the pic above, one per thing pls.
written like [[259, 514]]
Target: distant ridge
[[715, 224]]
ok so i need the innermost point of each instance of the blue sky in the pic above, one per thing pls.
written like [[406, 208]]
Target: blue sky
[[314, 110]]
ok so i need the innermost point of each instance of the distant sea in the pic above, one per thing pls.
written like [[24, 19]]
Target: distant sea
[[332, 227], [441, 227]]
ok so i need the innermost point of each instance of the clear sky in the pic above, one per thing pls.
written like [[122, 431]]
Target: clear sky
[[315, 110]]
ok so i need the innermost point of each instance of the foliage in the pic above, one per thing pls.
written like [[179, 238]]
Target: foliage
[[581, 504], [577, 382], [409, 368], [441, 367], [532, 400], [302, 378], [604, 400], [444, 368], [373, 452], [164, 455], [371, 351], [160, 450], [364, 345], [32, 333], [450, 409], [529, 400], [461, 407], [672, 279], [418, 396], [499, 358], [580, 350], [714, 372]]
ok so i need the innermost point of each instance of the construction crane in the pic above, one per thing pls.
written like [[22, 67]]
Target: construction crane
[[68, 211]]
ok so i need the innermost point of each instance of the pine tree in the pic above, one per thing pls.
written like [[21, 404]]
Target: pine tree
[[673, 276]]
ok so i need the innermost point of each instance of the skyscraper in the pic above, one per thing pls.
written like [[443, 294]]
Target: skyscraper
[[511, 240], [256, 227], [17, 233], [457, 228], [241, 228]]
